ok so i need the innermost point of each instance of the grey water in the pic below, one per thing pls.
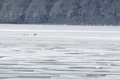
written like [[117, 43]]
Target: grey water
[[53, 55]]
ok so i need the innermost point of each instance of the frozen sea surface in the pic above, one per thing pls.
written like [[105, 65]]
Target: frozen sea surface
[[49, 52]]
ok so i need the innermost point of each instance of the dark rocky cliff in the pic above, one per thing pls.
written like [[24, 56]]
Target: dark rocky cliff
[[94, 12]]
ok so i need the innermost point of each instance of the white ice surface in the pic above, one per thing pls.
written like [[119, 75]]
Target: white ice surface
[[59, 52]]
